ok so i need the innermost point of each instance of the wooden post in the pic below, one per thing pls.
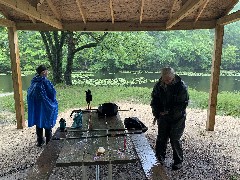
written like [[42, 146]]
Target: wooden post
[[216, 62], [16, 76]]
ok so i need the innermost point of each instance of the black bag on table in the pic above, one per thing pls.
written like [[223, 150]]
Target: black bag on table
[[134, 123], [108, 109]]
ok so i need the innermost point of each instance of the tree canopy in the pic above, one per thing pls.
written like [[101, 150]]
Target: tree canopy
[[146, 51]]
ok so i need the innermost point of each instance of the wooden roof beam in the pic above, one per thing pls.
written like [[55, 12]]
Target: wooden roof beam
[[111, 9], [141, 15], [229, 18], [24, 7], [79, 4], [6, 23], [230, 7], [171, 11], [53, 8], [201, 10], [118, 26], [187, 8]]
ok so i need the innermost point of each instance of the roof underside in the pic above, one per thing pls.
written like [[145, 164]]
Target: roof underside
[[114, 15]]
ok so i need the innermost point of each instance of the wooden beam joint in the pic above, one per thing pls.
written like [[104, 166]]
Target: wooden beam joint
[[79, 4], [187, 8], [26, 8], [6, 23], [229, 18]]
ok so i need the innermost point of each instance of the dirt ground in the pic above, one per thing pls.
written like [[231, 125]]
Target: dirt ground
[[207, 154]]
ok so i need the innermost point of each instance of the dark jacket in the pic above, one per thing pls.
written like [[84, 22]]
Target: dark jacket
[[172, 98]]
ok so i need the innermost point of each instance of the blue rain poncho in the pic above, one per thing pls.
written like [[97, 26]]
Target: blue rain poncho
[[42, 103]]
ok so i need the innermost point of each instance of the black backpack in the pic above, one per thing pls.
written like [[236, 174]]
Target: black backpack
[[134, 123], [107, 109]]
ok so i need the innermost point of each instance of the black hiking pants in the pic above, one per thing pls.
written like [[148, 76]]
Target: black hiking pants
[[173, 130], [48, 135]]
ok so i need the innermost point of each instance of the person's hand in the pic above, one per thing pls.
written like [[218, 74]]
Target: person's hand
[[154, 121]]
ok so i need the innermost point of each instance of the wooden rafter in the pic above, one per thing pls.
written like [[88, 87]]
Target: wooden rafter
[[141, 15], [6, 23], [171, 11], [201, 10], [53, 8], [111, 9], [24, 7], [230, 7], [229, 18], [187, 8], [32, 19], [79, 4]]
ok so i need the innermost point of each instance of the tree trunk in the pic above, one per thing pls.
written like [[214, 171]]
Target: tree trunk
[[72, 50], [57, 71], [70, 56], [54, 42], [54, 47]]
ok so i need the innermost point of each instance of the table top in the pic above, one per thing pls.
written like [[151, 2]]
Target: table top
[[80, 145]]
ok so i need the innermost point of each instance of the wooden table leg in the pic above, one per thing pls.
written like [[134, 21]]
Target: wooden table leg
[[84, 173], [110, 171]]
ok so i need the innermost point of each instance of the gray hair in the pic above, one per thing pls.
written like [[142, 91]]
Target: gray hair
[[167, 72]]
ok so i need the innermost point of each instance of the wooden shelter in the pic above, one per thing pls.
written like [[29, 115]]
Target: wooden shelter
[[116, 15]]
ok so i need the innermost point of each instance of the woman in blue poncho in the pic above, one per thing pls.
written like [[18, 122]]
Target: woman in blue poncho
[[42, 105]]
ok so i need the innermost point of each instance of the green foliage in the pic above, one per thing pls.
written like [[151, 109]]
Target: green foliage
[[5, 63], [184, 50], [121, 50], [229, 101], [32, 52], [229, 57], [198, 99], [7, 103]]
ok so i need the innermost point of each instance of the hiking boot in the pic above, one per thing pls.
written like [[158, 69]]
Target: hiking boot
[[161, 159], [177, 166], [39, 144]]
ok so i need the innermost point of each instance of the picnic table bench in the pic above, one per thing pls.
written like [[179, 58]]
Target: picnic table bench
[[77, 147]]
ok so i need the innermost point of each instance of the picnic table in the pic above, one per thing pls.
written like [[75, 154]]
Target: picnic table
[[78, 147]]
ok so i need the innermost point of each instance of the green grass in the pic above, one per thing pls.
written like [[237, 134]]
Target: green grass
[[74, 97], [227, 102]]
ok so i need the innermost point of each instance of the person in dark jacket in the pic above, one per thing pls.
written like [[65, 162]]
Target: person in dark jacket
[[169, 101], [42, 105]]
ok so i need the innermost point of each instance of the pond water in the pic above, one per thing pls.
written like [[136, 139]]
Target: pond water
[[200, 83]]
